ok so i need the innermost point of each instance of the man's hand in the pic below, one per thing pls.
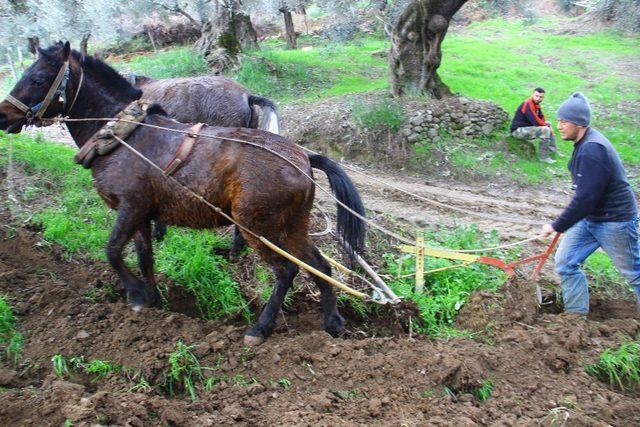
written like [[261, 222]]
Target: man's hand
[[547, 230]]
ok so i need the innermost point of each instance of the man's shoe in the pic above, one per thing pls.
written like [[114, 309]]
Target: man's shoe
[[548, 160]]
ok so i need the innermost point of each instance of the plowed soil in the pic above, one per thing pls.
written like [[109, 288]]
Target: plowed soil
[[535, 361]]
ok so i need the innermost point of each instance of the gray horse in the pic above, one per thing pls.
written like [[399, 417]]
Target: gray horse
[[214, 100]]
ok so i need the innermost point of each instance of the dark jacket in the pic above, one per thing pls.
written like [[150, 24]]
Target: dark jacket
[[602, 192], [528, 114]]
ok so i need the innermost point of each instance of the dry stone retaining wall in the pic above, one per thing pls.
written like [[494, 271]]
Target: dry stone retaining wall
[[456, 117]]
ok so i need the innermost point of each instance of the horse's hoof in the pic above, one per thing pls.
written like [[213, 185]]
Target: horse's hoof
[[137, 308], [335, 325], [251, 341]]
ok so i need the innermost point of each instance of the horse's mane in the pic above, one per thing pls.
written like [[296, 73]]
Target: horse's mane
[[100, 68]]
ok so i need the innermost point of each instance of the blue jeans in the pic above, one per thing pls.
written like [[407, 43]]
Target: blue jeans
[[618, 239]]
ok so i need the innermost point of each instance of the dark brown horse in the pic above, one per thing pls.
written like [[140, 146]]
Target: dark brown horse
[[260, 190], [213, 100]]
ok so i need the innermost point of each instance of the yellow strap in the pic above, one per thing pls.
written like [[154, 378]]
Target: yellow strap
[[336, 264], [312, 270], [439, 253]]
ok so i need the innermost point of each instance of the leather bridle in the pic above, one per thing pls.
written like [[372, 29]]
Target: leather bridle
[[58, 89]]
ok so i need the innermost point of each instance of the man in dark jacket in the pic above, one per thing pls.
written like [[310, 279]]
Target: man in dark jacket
[[530, 123], [603, 211]]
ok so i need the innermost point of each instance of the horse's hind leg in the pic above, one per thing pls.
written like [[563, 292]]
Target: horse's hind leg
[[333, 321], [144, 250], [237, 245], [285, 272], [126, 225]]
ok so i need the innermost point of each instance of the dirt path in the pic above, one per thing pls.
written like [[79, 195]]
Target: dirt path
[[516, 213]]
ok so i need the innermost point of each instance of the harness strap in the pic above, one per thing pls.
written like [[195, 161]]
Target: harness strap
[[75, 98], [104, 141], [184, 150], [64, 70], [18, 104]]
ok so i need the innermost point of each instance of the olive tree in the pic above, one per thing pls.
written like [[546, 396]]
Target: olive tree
[[416, 39]]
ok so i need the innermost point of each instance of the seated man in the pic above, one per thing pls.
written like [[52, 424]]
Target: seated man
[[529, 123]]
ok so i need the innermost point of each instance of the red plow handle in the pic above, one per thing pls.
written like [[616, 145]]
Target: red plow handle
[[510, 267]]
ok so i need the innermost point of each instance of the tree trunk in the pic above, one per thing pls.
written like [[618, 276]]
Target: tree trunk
[[303, 12], [83, 43], [11, 66], [290, 32], [33, 46], [227, 33], [415, 53]]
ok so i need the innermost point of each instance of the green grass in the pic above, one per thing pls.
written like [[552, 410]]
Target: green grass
[[176, 62], [620, 367], [483, 392], [10, 339], [380, 115], [184, 371], [515, 59], [604, 277], [317, 69], [447, 291], [81, 223]]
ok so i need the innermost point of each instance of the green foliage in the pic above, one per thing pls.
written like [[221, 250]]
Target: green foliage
[[317, 69], [446, 291], [176, 62], [276, 79], [187, 257], [285, 383], [620, 368], [184, 371], [516, 59], [604, 275], [100, 368], [483, 392], [60, 367], [10, 339], [81, 223], [381, 115]]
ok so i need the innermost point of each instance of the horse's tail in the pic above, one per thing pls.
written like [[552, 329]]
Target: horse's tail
[[271, 120], [350, 227]]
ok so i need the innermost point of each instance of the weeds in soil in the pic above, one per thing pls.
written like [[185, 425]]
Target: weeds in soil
[[285, 383], [10, 339], [346, 394], [483, 392], [620, 368], [63, 367], [447, 291], [60, 367], [184, 371], [99, 368], [605, 278]]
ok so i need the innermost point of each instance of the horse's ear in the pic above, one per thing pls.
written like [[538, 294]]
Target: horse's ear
[[66, 51]]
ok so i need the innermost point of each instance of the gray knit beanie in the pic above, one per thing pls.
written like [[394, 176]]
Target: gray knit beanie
[[576, 110]]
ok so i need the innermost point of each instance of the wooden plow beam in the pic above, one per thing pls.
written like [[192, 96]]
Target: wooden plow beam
[[420, 251]]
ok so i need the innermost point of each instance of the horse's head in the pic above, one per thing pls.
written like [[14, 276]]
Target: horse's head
[[41, 92]]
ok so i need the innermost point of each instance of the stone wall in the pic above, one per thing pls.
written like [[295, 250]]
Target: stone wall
[[455, 117]]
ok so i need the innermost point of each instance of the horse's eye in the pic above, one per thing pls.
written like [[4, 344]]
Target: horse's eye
[[38, 80]]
